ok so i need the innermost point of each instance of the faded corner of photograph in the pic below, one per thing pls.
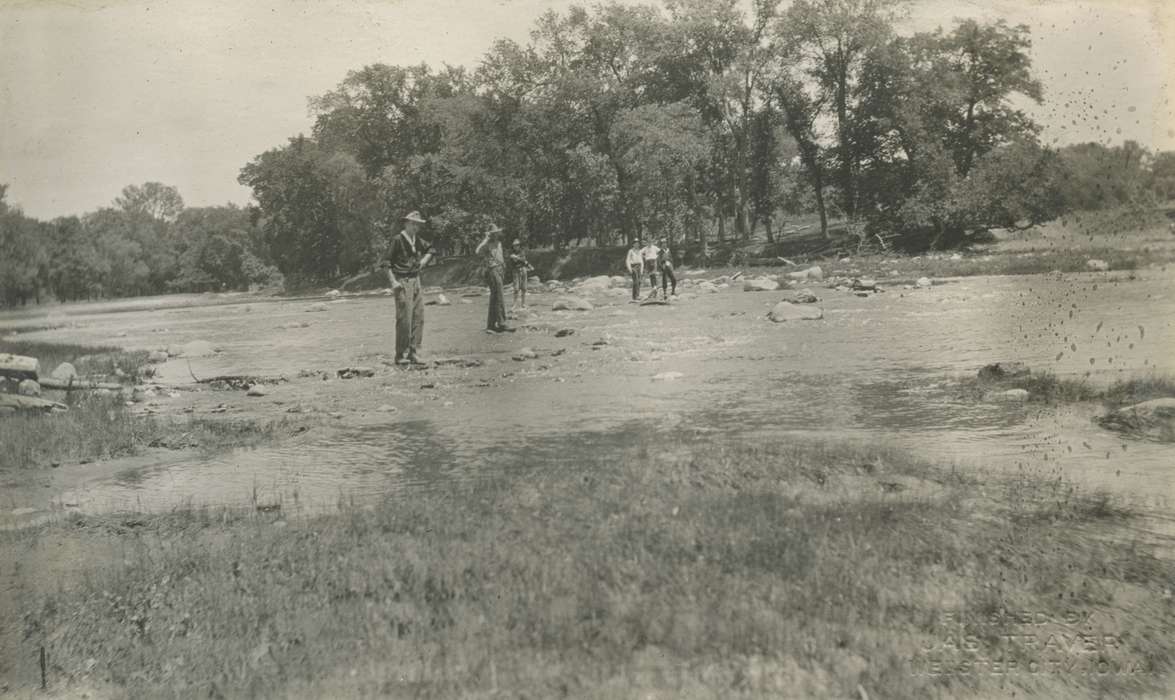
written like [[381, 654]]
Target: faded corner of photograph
[[545, 348]]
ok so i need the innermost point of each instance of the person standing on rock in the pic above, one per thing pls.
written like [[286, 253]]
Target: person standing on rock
[[521, 269], [649, 254], [634, 265], [665, 263], [408, 255], [491, 248]]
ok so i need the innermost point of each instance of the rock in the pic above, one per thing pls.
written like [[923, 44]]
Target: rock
[[1003, 370], [956, 257], [334, 294], [525, 354], [316, 307], [621, 282], [923, 283], [28, 387], [667, 376], [571, 304], [804, 296], [1011, 395], [595, 284], [708, 286], [760, 285], [387, 408], [787, 311], [864, 285], [564, 332], [18, 367], [1153, 419], [1097, 265], [443, 300], [351, 372], [157, 356], [812, 273], [64, 372], [256, 390], [534, 281]]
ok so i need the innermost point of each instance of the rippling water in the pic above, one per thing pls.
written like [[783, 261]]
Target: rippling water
[[884, 368]]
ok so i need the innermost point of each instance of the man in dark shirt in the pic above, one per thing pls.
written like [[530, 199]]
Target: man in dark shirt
[[407, 256]]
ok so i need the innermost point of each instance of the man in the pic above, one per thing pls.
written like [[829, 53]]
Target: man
[[634, 265], [665, 263], [649, 254], [408, 255], [491, 248], [521, 269]]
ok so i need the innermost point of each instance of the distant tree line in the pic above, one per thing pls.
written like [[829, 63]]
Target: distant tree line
[[694, 120], [146, 243]]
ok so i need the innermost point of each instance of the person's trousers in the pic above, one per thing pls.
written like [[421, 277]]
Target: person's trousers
[[651, 271], [667, 276], [497, 314], [635, 272], [520, 284], [409, 317]]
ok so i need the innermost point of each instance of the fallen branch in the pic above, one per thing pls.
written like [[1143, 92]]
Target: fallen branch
[[77, 384]]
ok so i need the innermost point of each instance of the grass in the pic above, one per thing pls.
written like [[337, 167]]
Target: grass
[[811, 570], [1046, 387], [95, 427]]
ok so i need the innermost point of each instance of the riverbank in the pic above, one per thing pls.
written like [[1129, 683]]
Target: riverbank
[[806, 568]]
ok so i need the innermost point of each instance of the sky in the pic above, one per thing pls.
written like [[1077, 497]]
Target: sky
[[96, 95]]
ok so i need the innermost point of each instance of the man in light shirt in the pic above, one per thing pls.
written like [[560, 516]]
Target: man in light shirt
[[634, 265], [649, 254]]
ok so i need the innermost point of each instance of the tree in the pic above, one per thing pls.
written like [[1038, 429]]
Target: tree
[[152, 199]]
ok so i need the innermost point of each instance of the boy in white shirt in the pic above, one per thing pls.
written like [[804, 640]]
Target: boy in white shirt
[[634, 265], [649, 254]]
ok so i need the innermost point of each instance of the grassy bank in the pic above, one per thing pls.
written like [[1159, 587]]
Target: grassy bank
[[793, 570], [1046, 387]]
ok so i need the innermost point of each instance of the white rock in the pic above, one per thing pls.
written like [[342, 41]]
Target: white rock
[[198, 348], [316, 307], [667, 376], [1011, 395], [923, 282], [157, 356], [571, 304], [760, 285], [787, 311], [334, 294], [443, 300], [1097, 265], [64, 372], [256, 390], [28, 387], [812, 273]]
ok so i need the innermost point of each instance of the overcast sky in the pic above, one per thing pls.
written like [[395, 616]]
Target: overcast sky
[[98, 95]]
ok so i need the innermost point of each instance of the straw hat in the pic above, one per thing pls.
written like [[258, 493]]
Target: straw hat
[[415, 216]]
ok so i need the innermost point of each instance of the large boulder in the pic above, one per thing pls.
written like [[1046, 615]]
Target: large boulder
[[28, 387], [19, 367], [571, 304], [595, 284], [787, 311], [760, 285], [64, 372], [812, 273], [1154, 419]]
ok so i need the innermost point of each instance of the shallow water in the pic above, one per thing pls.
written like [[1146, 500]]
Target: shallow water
[[877, 369]]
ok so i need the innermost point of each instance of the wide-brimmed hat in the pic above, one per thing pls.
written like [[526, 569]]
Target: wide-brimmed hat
[[516, 241], [494, 228], [415, 216]]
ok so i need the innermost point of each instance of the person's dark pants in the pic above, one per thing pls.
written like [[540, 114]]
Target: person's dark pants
[[409, 318], [497, 315], [635, 272], [666, 277], [651, 271]]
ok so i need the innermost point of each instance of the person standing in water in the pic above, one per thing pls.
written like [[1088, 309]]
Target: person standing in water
[[408, 255], [521, 269], [649, 254], [634, 265], [491, 248], [665, 263]]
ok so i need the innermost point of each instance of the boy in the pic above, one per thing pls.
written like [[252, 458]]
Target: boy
[[520, 267]]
